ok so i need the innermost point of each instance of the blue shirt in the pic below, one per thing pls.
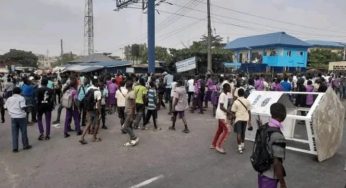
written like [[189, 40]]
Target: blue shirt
[[27, 90], [286, 86], [82, 91], [50, 84]]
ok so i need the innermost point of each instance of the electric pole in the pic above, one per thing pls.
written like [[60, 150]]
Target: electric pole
[[89, 27], [209, 67], [151, 36], [61, 50]]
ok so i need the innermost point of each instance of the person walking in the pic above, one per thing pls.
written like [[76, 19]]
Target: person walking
[[140, 93], [221, 115], [45, 105], [180, 104], [16, 106], [130, 108], [121, 98], [241, 113]]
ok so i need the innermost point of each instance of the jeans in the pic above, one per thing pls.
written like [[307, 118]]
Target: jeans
[[140, 108], [127, 127], [19, 124], [48, 116], [69, 114], [168, 94]]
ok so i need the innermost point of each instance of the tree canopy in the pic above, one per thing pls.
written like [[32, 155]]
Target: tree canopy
[[319, 58], [24, 58]]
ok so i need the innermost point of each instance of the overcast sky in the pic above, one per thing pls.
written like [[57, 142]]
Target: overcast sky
[[38, 25]]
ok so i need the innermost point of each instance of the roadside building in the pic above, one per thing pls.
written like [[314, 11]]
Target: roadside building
[[274, 51]]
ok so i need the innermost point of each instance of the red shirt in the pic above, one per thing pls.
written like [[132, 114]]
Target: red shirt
[[118, 80]]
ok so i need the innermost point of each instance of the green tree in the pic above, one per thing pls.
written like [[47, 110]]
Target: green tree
[[319, 58], [20, 57]]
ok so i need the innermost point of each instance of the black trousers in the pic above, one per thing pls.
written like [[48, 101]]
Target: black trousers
[[151, 113], [82, 113], [103, 115]]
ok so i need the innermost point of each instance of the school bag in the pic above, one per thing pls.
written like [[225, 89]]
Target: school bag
[[261, 159], [90, 101], [66, 100]]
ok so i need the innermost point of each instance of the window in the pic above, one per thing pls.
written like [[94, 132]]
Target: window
[[289, 53], [273, 53], [301, 53]]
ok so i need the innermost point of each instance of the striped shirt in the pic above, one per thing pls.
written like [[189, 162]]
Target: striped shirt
[[152, 99]]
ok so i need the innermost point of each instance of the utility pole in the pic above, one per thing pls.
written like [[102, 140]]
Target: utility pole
[[89, 27], [61, 50], [151, 36], [209, 67]]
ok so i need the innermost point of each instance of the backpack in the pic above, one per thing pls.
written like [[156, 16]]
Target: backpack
[[261, 159], [66, 100], [90, 102]]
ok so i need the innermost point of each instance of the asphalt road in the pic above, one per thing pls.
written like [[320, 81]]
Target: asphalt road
[[163, 159]]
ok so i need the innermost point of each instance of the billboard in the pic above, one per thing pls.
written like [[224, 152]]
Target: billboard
[[186, 65]]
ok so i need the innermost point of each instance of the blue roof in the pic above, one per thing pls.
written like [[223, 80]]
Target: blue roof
[[326, 44], [266, 40], [108, 64]]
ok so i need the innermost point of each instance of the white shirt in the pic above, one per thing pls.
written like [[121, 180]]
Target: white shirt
[[190, 85], [15, 105], [97, 93], [120, 95], [223, 98], [229, 94], [173, 86]]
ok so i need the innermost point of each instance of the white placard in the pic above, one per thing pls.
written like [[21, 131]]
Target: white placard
[[262, 100], [130, 70], [186, 65]]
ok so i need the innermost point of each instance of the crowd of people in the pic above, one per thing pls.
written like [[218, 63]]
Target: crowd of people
[[89, 99]]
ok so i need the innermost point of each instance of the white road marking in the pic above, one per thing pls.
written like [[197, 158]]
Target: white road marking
[[146, 182]]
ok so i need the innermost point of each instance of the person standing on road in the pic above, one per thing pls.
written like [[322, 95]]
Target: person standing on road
[[45, 105], [111, 100], [81, 95], [93, 101], [152, 101], [61, 107], [180, 104], [224, 127], [121, 98], [161, 91], [73, 111], [140, 93], [130, 108], [191, 89], [27, 93], [277, 149], [16, 106], [104, 96], [167, 79], [241, 111]]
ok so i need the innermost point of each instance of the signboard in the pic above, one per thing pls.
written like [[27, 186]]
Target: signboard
[[186, 65], [130, 70], [262, 100]]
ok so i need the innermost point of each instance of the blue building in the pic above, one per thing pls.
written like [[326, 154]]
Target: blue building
[[278, 51]]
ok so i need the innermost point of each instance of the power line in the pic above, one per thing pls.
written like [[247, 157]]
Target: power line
[[263, 25], [268, 18]]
